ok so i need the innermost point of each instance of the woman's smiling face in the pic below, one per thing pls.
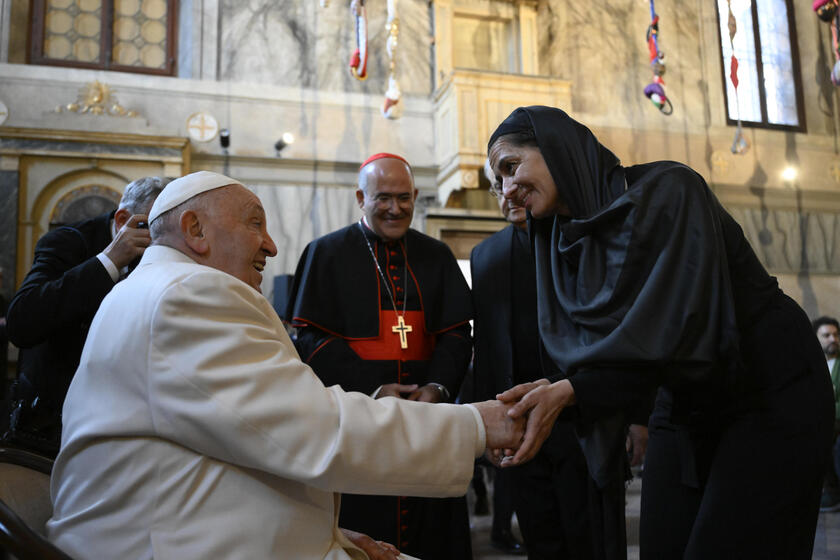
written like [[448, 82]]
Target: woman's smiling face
[[525, 179]]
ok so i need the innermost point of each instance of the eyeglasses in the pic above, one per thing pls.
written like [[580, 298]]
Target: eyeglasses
[[384, 201], [495, 192]]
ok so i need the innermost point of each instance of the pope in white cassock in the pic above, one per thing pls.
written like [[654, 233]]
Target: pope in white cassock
[[193, 430]]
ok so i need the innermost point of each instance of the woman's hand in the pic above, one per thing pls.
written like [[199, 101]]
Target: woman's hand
[[637, 439], [542, 403]]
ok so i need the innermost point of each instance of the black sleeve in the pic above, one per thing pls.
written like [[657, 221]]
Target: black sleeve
[[483, 386], [63, 288], [450, 358], [483, 381], [335, 363], [601, 390]]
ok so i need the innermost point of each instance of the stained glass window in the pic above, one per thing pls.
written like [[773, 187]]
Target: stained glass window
[[125, 35], [769, 92]]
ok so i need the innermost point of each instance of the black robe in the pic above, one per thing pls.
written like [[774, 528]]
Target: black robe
[[336, 299], [551, 492]]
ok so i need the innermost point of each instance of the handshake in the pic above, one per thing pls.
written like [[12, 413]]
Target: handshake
[[521, 419]]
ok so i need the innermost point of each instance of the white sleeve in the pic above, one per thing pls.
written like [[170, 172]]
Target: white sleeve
[[481, 440], [228, 383], [109, 265]]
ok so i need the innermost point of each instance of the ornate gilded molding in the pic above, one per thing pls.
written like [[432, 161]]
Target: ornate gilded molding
[[61, 135], [96, 98]]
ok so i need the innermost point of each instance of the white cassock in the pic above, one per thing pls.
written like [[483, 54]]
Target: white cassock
[[193, 430]]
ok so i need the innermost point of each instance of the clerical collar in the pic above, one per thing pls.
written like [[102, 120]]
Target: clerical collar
[[373, 236]]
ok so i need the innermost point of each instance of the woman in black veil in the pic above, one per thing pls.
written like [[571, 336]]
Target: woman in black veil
[[644, 281]]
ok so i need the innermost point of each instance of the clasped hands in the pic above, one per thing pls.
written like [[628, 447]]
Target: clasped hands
[[521, 419]]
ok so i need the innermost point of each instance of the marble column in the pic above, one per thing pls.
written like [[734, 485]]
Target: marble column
[[8, 229]]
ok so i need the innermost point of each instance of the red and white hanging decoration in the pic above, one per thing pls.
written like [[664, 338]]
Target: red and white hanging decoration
[[739, 143], [392, 107], [358, 61]]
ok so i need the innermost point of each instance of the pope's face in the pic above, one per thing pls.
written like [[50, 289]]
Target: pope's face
[[829, 340], [525, 179], [388, 198], [237, 236]]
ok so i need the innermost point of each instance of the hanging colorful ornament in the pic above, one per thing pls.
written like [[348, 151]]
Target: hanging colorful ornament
[[825, 9], [739, 143], [358, 61], [655, 91], [835, 47], [392, 107]]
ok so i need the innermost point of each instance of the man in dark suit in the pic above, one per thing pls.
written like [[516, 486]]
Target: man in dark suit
[[550, 492], [4, 343], [75, 267]]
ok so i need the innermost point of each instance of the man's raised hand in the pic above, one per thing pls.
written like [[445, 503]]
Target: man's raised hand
[[503, 431], [129, 242]]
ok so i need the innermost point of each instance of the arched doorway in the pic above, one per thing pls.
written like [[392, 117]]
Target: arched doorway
[[83, 203]]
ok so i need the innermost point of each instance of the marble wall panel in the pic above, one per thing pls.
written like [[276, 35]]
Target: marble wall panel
[[301, 44], [298, 214], [93, 148], [818, 294], [186, 46], [328, 125], [600, 46], [8, 230], [787, 241]]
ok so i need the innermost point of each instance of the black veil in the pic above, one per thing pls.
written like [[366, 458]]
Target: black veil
[[638, 278]]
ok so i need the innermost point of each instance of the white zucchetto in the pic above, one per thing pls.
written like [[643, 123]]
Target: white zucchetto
[[184, 188]]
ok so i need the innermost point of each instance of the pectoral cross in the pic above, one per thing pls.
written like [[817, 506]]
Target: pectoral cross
[[403, 329]]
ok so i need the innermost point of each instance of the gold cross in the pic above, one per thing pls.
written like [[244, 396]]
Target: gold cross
[[201, 126], [402, 328], [720, 164]]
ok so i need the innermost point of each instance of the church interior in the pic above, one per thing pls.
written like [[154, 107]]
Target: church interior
[[97, 93]]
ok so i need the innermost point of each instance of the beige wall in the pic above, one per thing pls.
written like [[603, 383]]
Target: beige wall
[[599, 46], [262, 68]]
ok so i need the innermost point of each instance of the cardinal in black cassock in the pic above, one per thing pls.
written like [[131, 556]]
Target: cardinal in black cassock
[[384, 310]]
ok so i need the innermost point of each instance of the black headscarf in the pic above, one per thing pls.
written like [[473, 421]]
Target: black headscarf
[[638, 276], [590, 176]]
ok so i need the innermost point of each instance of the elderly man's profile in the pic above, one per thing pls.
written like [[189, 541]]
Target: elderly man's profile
[[193, 430]]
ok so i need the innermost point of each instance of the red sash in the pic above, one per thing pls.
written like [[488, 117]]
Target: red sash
[[387, 345]]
